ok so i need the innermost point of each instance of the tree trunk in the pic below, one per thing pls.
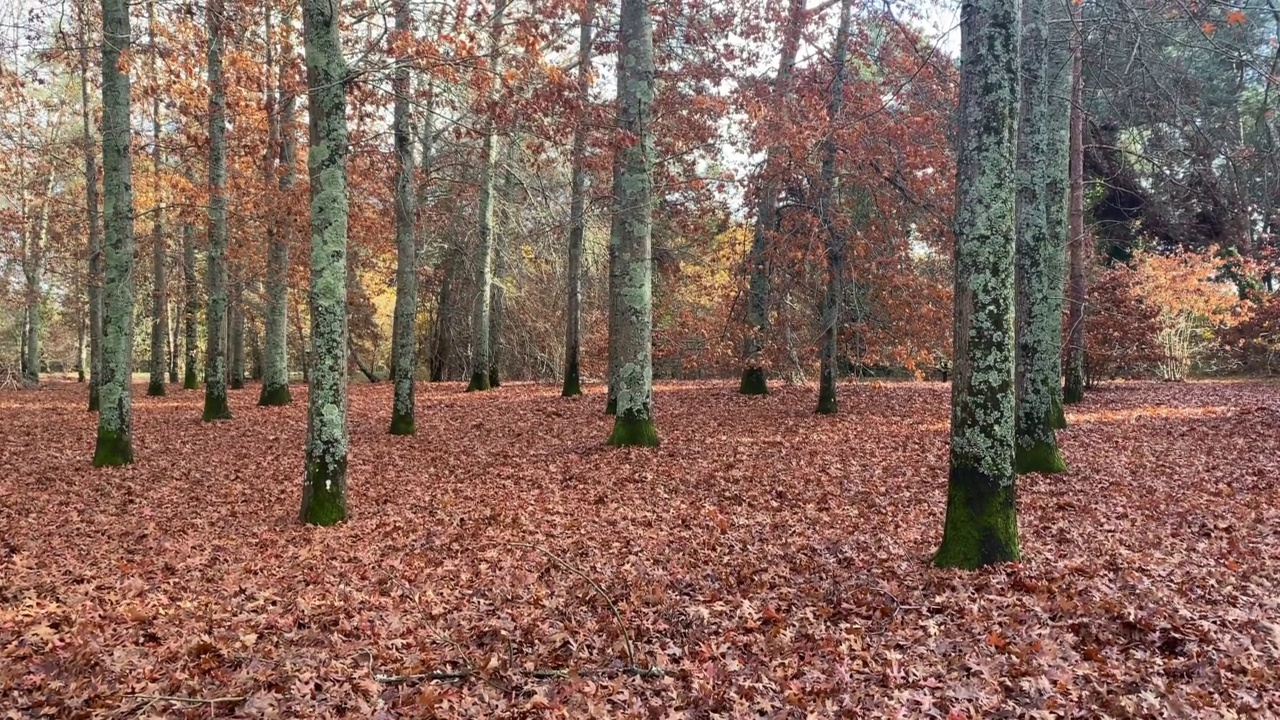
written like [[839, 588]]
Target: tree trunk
[[275, 351], [615, 273], [1073, 388], [834, 235], [440, 345], [981, 524], [159, 280], [190, 306], [115, 421], [324, 495], [215, 366], [80, 346], [171, 341], [33, 259], [480, 339], [501, 258], [578, 209], [1038, 264], [94, 281], [404, 343], [633, 421], [1058, 163], [235, 329], [754, 380]]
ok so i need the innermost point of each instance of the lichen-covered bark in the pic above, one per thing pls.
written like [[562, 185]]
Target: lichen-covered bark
[[754, 381], [159, 278], [1058, 164], [190, 307], [1038, 268], [1073, 388], [404, 344], [275, 349], [115, 418], [981, 520], [633, 420], [94, 280], [215, 365], [834, 237], [324, 495], [615, 270], [480, 321], [577, 209]]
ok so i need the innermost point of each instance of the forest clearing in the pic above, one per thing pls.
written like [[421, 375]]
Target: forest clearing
[[763, 562]]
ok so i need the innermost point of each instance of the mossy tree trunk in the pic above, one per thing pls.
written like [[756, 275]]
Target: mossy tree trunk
[[633, 421], [190, 308], [833, 234], [578, 209], [754, 381], [283, 145], [1077, 293], [615, 295], [159, 275], [115, 421], [94, 280], [404, 343], [1038, 266], [215, 366], [324, 494], [981, 524], [1056, 188]]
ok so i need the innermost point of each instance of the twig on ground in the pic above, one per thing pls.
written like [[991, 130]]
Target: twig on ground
[[191, 700]]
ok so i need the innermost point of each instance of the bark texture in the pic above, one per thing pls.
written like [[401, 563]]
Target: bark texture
[[275, 346], [981, 524], [577, 210], [1077, 293], [190, 308], [159, 276], [404, 345], [91, 215], [215, 366]]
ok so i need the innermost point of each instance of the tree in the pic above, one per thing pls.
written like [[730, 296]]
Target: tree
[[275, 351], [215, 364], [324, 494], [115, 421], [404, 335], [1038, 268], [1073, 387], [981, 524], [190, 305], [578, 208], [633, 421], [159, 278]]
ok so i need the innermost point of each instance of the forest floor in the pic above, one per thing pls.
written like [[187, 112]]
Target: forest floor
[[764, 562]]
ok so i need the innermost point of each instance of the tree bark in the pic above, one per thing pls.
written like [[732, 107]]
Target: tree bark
[[1056, 189], [633, 421], [235, 328], [1077, 292], [1038, 265], [404, 344], [215, 367], [115, 418], [94, 281], [190, 306], [981, 524], [159, 278], [615, 272], [33, 258], [577, 209], [501, 259], [275, 352], [324, 495]]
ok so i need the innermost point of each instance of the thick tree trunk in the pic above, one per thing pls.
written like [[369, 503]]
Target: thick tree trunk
[[754, 380], [159, 278], [1038, 266], [1073, 388], [215, 366], [834, 235], [324, 495], [190, 307], [633, 421], [981, 525], [404, 343], [275, 353], [578, 209], [94, 280], [115, 419], [480, 340]]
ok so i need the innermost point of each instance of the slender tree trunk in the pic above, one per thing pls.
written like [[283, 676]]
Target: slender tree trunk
[[275, 353], [404, 333], [94, 280], [480, 339], [615, 274], [633, 421], [171, 341], [1077, 293], [33, 269], [834, 235], [215, 367], [115, 419], [190, 306], [1058, 164], [324, 495], [754, 380], [578, 209], [440, 345], [501, 259], [81, 360], [235, 329], [159, 279], [1039, 311], [981, 525]]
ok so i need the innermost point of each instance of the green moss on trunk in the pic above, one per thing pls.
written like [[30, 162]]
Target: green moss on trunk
[[1042, 458], [982, 522], [113, 449], [324, 498], [753, 382], [215, 406], [402, 424], [155, 388], [190, 380], [827, 399], [1073, 390], [572, 379], [274, 395], [611, 405], [1057, 417], [633, 432], [479, 382]]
